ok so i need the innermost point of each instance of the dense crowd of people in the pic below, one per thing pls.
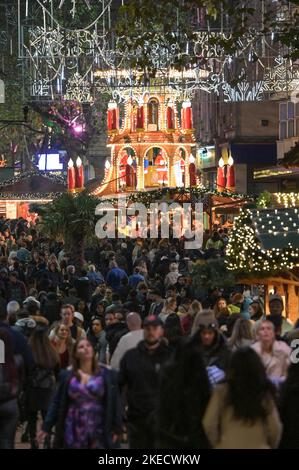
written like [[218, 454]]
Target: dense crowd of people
[[95, 354]]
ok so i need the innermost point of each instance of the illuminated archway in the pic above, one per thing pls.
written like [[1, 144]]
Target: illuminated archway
[[153, 114], [127, 169], [155, 168]]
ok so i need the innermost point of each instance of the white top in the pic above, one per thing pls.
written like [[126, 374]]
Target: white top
[[126, 342]]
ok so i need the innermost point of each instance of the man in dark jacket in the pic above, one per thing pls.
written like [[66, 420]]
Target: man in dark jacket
[[16, 289], [50, 307], [140, 373], [95, 299], [19, 342], [212, 343], [114, 329]]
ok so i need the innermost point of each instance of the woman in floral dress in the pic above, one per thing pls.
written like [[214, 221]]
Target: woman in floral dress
[[86, 408]]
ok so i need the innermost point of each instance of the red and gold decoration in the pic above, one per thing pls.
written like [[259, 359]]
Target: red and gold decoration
[[221, 178], [152, 146], [230, 175], [75, 175]]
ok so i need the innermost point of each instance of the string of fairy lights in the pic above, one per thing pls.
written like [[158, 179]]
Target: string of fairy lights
[[198, 193], [244, 253], [287, 199]]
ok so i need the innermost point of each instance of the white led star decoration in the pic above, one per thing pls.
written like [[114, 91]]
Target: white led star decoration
[[74, 7]]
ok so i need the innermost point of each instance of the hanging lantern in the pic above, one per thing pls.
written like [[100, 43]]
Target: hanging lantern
[[107, 165], [129, 160]]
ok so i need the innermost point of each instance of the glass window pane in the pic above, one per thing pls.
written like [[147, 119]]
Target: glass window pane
[[282, 111], [290, 110], [291, 128], [283, 130]]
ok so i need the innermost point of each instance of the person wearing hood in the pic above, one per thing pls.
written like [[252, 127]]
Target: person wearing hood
[[212, 343], [83, 286], [50, 307], [245, 308]]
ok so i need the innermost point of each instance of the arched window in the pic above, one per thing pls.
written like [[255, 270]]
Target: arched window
[[153, 112]]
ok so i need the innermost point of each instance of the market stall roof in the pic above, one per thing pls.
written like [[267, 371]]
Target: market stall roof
[[277, 228], [32, 185]]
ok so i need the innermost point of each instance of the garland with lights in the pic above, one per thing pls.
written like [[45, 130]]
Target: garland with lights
[[148, 197], [29, 174], [245, 256], [57, 179]]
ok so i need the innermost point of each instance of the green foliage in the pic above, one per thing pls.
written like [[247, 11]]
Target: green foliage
[[12, 135], [70, 218], [264, 200], [144, 27], [213, 273]]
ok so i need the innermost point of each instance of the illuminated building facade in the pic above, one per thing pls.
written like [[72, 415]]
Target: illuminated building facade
[[152, 145]]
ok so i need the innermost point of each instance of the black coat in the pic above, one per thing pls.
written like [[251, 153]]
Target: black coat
[[50, 308], [57, 413], [218, 354], [289, 410], [140, 372]]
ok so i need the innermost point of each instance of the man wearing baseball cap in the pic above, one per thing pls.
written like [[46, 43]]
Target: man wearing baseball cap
[[140, 372]]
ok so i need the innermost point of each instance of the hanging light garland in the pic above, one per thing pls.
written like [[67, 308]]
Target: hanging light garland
[[245, 255], [287, 199]]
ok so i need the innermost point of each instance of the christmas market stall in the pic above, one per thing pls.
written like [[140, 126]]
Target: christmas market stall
[[32, 186], [263, 249]]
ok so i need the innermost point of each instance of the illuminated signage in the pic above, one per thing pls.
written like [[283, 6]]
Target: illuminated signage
[[50, 162]]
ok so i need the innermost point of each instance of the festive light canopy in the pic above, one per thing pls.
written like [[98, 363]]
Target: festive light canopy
[[81, 62], [246, 253]]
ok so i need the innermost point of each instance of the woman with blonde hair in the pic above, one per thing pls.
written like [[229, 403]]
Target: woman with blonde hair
[[242, 334], [188, 319], [62, 342], [169, 308], [173, 275]]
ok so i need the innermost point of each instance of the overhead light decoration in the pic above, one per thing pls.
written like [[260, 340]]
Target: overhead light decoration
[[56, 67], [191, 158], [107, 164], [129, 160]]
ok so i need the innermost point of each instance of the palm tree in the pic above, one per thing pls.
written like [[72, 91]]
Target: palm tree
[[70, 218]]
